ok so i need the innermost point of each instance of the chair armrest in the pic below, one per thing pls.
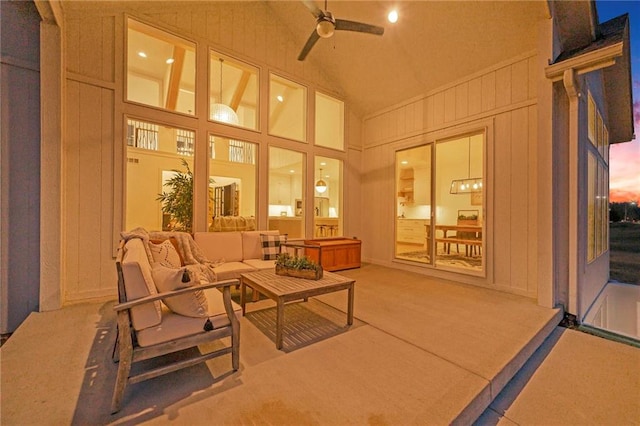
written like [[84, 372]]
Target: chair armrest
[[166, 294]]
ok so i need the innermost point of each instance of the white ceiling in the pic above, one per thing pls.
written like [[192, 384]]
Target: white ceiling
[[433, 43]]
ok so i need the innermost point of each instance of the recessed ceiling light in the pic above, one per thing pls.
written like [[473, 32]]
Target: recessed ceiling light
[[393, 16], [279, 98], [169, 61], [142, 54]]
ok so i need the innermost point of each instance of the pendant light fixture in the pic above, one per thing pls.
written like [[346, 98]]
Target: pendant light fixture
[[468, 185], [321, 185], [221, 112]]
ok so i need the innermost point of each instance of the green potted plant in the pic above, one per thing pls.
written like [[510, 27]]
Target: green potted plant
[[178, 201], [299, 267]]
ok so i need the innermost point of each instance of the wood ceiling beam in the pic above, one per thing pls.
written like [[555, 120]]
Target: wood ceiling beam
[[174, 78], [240, 89]]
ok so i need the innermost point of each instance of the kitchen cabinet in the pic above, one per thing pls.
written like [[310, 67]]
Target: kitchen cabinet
[[292, 226], [405, 184], [280, 190], [421, 186], [412, 231]]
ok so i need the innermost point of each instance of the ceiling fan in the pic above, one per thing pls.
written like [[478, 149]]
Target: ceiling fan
[[326, 25]]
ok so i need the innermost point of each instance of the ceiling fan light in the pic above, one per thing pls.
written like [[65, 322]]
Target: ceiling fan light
[[325, 28]]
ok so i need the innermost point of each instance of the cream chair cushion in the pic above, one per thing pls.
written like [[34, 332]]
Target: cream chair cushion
[[175, 326], [231, 270], [138, 280]]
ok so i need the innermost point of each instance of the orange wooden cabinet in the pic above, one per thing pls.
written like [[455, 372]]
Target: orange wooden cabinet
[[334, 254]]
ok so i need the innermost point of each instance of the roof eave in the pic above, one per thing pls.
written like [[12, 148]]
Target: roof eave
[[619, 96], [614, 59]]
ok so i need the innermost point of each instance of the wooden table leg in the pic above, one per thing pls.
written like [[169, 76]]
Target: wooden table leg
[[350, 305], [279, 323], [243, 297]]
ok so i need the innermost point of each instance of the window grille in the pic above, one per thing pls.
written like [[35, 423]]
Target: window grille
[[185, 141], [242, 152], [239, 151], [141, 134]]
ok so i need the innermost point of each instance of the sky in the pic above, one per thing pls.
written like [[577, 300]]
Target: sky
[[624, 159]]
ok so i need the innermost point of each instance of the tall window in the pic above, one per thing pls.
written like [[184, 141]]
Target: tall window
[[329, 130], [158, 164], [233, 92], [328, 197], [232, 183], [287, 109], [160, 69], [597, 183], [286, 194]]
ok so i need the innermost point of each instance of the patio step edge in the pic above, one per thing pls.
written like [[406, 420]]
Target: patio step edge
[[480, 403]]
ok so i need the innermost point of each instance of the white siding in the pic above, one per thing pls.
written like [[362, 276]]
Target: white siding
[[94, 111], [506, 96]]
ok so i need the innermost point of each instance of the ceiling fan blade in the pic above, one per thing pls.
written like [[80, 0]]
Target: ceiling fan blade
[[315, 10], [313, 38], [342, 25]]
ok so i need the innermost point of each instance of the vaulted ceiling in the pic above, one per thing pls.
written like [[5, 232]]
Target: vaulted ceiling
[[433, 43]]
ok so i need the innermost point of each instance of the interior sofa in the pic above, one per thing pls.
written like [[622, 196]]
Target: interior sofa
[[232, 223], [236, 252]]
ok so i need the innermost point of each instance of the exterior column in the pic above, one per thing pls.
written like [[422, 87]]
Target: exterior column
[[51, 120], [573, 92]]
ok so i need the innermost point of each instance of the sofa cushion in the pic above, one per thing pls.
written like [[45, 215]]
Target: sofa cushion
[[231, 270], [165, 252], [271, 245], [220, 246], [192, 304], [138, 283], [175, 326], [260, 264], [176, 245], [252, 243]]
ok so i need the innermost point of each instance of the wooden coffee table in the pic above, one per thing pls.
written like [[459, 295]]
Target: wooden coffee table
[[286, 289]]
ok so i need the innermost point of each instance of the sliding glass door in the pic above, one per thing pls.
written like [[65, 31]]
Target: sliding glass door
[[459, 189], [413, 204], [439, 204]]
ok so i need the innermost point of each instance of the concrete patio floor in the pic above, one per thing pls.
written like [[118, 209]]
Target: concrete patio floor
[[421, 350]]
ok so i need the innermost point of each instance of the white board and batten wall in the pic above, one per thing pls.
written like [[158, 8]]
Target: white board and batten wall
[[94, 110], [502, 100]]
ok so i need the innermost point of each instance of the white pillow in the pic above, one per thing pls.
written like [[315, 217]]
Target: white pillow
[[165, 253], [192, 304]]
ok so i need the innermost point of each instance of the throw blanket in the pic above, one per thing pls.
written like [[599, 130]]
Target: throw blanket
[[232, 223], [196, 263]]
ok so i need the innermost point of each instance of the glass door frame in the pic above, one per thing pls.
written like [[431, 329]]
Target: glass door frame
[[432, 143]]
